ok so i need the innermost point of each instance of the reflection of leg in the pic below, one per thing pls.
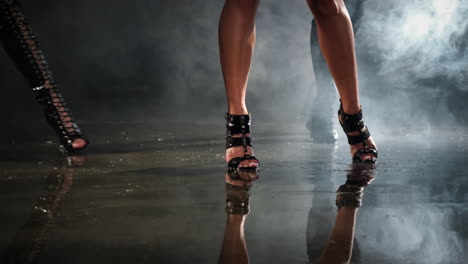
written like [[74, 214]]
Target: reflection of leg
[[321, 119], [234, 249], [23, 48], [236, 43], [339, 248], [336, 38], [30, 239], [322, 212], [340, 244]]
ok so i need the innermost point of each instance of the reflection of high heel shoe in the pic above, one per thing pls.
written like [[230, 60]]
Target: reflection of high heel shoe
[[342, 245], [237, 199], [358, 178], [237, 195], [23, 48], [234, 248]]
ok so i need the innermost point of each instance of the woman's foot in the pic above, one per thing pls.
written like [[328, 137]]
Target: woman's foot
[[362, 145], [370, 143], [235, 152], [239, 152], [243, 173], [70, 127], [77, 140]]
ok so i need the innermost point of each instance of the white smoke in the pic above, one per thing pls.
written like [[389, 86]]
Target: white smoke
[[417, 39]]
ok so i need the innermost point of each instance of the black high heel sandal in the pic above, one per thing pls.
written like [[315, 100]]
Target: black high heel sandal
[[23, 48], [239, 124], [353, 123]]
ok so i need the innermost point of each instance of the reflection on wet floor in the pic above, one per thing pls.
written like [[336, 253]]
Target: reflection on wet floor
[[171, 201], [340, 245], [28, 242]]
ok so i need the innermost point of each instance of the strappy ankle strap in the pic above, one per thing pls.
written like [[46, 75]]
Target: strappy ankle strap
[[353, 123], [235, 125], [238, 141]]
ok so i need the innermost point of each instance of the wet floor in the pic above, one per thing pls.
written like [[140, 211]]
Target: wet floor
[[141, 196]]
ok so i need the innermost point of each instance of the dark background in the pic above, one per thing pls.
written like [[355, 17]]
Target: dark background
[[157, 61]]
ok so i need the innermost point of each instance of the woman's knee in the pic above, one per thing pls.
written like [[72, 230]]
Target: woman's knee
[[325, 8]]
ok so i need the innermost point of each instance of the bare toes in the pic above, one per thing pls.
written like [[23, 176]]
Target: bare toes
[[79, 143], [248, 163]]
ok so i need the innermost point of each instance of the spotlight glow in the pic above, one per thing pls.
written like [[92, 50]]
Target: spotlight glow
[[445, 6], [417, 25], [444, 13]]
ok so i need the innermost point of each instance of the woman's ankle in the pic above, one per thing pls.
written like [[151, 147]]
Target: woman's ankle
[[238, 110], [351, 108]]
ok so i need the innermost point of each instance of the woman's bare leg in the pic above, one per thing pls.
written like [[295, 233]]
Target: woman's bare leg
[[336, 38], [236, 44]]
